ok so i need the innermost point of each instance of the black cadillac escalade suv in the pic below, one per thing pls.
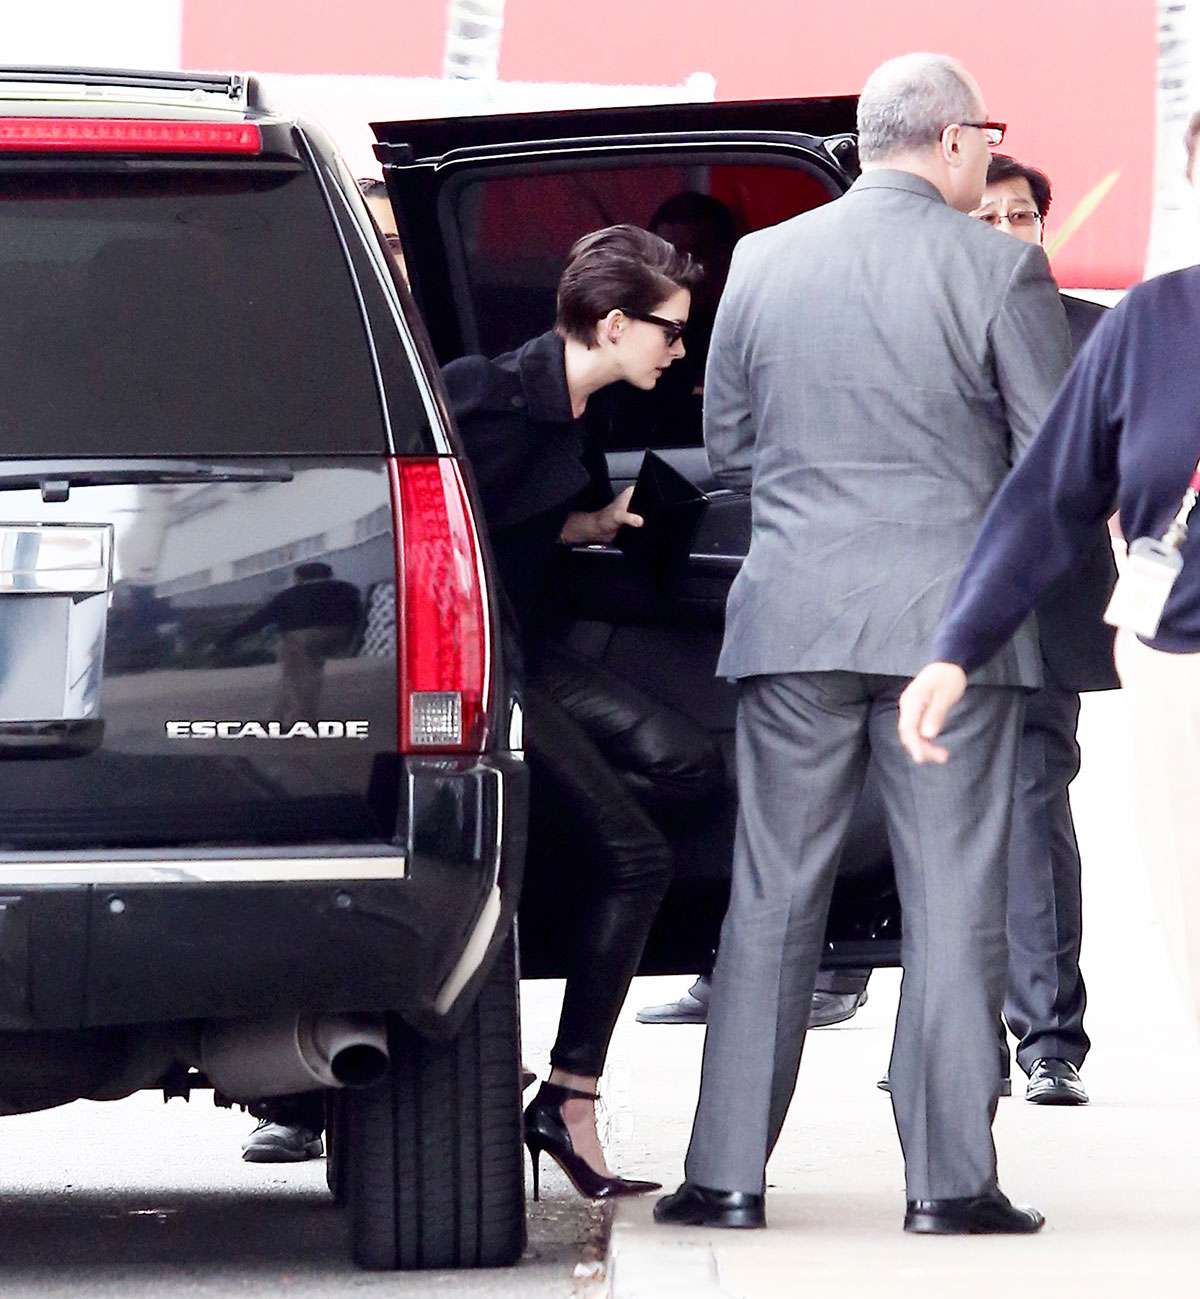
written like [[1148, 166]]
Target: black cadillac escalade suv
[[262, 805], [261, 800]]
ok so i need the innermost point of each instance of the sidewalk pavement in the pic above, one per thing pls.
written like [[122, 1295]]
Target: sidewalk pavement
[[1118, 1179]]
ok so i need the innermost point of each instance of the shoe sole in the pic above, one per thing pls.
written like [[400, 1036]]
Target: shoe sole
[[924, 1225], [736, 1222], [1055, 1096], [671, 1019], [277, 1155]]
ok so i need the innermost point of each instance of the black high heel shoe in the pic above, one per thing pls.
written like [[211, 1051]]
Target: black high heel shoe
[[546, 1130]]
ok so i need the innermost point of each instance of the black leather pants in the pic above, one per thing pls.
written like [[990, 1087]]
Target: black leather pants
[[609, 753]]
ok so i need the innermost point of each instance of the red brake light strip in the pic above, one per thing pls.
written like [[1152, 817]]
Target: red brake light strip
[[113, 135]]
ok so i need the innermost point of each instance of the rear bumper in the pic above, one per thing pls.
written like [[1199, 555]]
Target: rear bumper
[[411, 927]]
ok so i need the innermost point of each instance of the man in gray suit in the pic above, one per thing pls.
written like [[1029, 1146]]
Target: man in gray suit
[[877, 365]]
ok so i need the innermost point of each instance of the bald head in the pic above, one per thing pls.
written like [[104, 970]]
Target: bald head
[[908, 101]]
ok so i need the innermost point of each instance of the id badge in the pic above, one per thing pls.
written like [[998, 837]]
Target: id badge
[[1141, 591]]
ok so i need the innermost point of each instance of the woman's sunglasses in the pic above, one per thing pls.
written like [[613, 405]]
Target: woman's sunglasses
[[671, 328]]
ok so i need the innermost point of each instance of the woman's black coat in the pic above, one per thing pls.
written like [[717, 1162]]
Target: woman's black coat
[[532, 459]]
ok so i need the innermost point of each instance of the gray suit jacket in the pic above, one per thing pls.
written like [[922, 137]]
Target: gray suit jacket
[[877, 364]]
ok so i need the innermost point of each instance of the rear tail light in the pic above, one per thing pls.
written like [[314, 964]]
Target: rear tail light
[[443, 659], [120, 135]]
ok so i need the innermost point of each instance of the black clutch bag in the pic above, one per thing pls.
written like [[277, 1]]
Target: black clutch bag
[[672, 508]]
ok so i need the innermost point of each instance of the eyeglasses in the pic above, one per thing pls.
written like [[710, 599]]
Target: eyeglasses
[[1020, 220], [672, 329], [993, 132]]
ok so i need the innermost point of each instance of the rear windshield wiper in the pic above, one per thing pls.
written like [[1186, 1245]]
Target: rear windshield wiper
[[55, 478]]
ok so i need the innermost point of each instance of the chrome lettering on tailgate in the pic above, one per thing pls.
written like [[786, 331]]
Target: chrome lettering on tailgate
[[237, 729]]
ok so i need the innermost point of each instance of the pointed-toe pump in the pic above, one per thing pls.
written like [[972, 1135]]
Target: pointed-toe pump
[[545, 1129]]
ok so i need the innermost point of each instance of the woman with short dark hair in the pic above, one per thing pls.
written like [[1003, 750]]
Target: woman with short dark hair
[[607, 752]]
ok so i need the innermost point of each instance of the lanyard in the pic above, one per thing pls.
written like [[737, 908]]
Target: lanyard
[[1175, 535]]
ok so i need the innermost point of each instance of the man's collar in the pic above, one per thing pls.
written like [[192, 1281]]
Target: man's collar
[[542, 366], [892, 178]]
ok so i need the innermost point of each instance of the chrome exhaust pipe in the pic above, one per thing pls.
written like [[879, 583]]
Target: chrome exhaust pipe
[[247, 1059]]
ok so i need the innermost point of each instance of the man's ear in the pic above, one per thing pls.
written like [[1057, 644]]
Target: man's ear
[[951, 145]]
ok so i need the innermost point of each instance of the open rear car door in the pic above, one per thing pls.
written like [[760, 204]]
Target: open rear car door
[[487, 209]]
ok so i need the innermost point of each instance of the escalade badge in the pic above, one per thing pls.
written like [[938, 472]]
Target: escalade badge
[[240, 730]]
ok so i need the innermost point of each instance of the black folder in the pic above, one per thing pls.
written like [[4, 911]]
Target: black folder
[[672, 508]]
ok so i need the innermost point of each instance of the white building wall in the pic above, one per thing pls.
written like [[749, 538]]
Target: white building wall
[[92, 33]]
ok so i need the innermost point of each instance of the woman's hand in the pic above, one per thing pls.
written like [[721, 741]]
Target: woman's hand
[[599, 527], [926, 700]]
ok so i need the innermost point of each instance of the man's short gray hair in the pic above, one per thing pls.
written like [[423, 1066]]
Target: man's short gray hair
[[908, 101]]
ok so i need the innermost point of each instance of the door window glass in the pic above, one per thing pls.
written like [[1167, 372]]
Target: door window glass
[[516, 230]]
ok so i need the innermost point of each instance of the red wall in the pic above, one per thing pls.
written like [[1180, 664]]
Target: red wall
[[393, 38], [1074, 79]]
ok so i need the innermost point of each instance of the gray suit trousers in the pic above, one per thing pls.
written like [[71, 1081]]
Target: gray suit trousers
[[803, 742], [1046, 997]]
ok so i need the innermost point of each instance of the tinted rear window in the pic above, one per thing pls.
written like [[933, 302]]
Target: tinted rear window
[[178, 312]]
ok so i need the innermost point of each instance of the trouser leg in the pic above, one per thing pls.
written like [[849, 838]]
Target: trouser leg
[[949, 829], [629, 867], [1163, 708], [801, 755], [1045, 997], [301, 1110]]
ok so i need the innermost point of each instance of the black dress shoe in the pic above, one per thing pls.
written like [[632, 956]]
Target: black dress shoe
[[1055, 1082], [700, 1206], [980, 1215], [834, 1007], [687, 1010]]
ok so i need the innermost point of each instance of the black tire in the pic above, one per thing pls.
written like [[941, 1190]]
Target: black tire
[[335, 1142], [431, 1156]]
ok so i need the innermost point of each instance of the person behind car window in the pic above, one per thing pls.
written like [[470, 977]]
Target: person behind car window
[[669, 414], [704, 228], [1124, 429], [877, 363], [1045, 997], [605, 751], [380, 206]]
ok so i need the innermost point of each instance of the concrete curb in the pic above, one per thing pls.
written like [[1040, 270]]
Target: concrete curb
[[662, 1268]]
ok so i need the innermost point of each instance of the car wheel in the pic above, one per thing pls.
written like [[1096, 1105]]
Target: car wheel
[[335, 1138], [431, 1156]]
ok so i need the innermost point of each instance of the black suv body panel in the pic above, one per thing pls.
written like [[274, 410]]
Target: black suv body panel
[[120, 939]]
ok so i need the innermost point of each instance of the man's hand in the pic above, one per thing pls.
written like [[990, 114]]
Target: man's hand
[[599, 527], [926, 700]]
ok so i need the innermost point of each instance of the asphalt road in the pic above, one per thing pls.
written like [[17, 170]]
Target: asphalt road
[[138, 1198]]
